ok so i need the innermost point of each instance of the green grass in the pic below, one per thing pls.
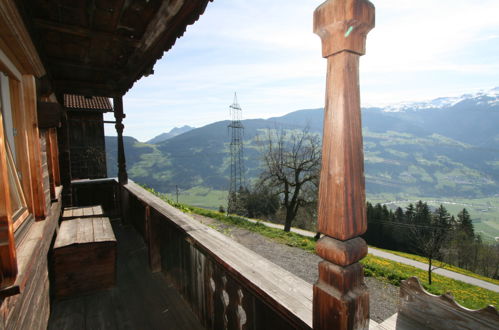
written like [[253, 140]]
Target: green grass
[[442, 265], [468, 295], [203, 197]]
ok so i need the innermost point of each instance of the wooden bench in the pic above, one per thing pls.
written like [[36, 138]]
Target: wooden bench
[[84, 257], [82, 212]]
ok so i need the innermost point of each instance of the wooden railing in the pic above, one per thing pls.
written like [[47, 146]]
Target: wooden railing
[[227, 285]]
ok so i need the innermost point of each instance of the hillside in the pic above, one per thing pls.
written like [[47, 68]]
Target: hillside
[[172, 133], [446, 149]]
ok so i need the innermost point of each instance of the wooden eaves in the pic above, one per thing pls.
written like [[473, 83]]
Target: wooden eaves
[[101, 49]]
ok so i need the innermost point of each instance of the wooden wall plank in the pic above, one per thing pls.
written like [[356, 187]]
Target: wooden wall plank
[[8, 264], [29, 96]]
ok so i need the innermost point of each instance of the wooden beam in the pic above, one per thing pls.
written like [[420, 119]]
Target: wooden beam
[[84, 32], [341, 299], [15, 36], [29, 96], [107, 89], [8, 264]]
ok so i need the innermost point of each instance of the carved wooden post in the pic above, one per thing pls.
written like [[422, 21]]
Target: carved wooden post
[[119, 115], [341, 299]]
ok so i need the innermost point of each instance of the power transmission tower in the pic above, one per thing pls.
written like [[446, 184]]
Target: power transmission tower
[[236, 129]]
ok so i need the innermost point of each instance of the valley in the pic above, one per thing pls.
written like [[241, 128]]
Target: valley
[[443, 151]]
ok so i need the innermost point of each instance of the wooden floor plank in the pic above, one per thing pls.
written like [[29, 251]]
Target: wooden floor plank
[[140, 300]]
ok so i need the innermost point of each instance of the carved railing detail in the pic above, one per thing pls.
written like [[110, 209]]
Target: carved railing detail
[[421, 309]]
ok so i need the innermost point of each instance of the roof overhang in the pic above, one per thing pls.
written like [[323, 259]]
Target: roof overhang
[[100, 48]]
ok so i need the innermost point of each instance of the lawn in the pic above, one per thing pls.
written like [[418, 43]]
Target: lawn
[[442, 265]]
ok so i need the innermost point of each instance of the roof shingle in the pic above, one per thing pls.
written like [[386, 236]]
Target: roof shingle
[[80, 102]]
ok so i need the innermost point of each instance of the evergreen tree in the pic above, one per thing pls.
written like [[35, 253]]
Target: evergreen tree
[[409, 213], [465, 224], [399, 215]]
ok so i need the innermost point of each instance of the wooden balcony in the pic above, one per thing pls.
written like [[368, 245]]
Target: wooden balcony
[[177, 273]]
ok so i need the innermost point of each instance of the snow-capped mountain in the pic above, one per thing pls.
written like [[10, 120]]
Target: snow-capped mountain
[[482, 98]]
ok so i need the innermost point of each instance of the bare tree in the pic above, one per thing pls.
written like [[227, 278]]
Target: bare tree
[[291, 165]]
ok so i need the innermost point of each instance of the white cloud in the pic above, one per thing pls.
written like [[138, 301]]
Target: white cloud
[[267, 52]]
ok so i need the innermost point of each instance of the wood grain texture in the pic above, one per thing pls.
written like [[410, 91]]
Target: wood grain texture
[[82, 212], [224, 282], [341, 299], [341, 212], [84, 257], [21, 49], [21, 140], [35, 156], [54, 154], [30, 308], [428, 311], [140, 300], [341, 253], [8, 264], [343, 25], [87, 145]]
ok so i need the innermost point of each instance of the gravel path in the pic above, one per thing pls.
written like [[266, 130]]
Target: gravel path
[[383, 296]]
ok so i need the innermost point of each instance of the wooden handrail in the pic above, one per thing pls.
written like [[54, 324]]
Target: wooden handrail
[[288, 295]]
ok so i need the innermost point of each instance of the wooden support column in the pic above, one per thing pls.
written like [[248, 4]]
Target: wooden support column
[[119, 115], [341, 299]]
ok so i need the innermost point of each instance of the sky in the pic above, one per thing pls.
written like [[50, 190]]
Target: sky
[[267, 53]]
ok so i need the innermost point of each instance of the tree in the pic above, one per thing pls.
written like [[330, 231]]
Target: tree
[[260, 202], [291, 163], [465, 224], [429, 232], [464, 237]]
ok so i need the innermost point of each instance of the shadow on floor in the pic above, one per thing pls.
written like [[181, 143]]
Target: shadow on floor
[[140, 300]]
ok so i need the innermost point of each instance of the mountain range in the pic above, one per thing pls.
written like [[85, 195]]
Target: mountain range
[[448, 147], [172, 133]]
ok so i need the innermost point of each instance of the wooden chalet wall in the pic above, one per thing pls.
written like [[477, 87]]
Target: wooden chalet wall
[[87, 145], [31, 178]]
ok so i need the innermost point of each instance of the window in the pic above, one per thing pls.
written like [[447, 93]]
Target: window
[[17, 200]]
